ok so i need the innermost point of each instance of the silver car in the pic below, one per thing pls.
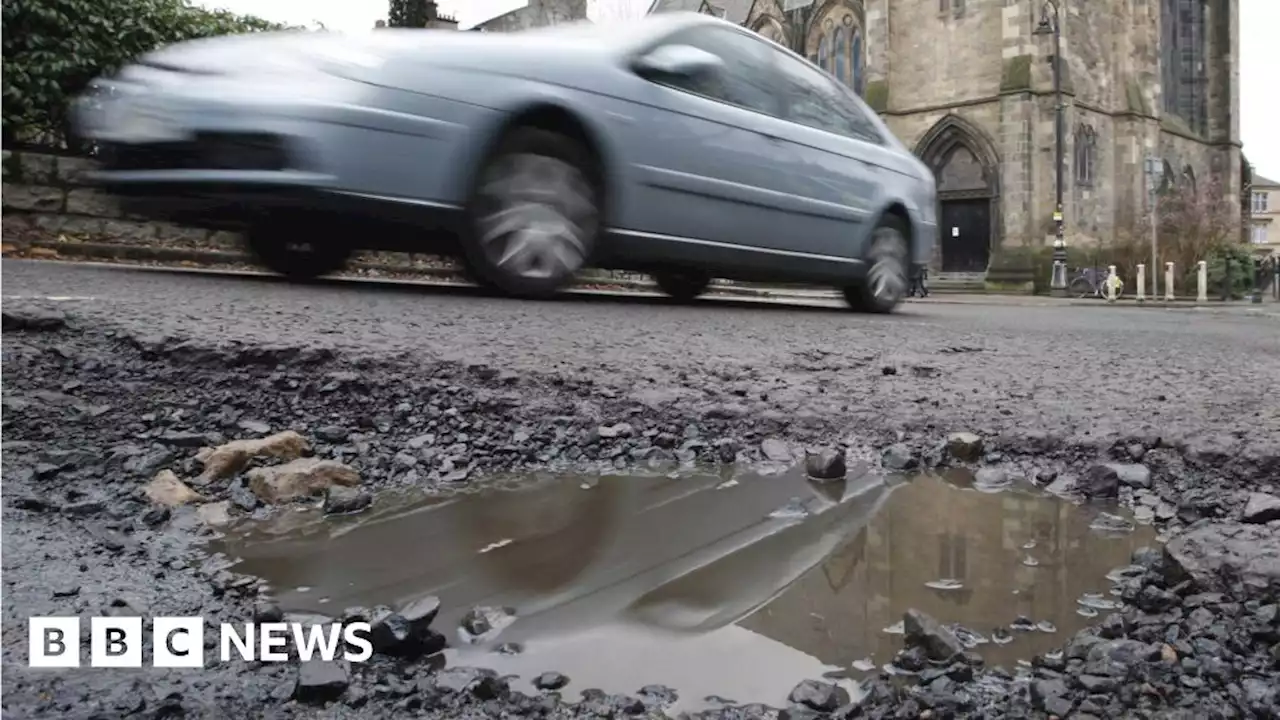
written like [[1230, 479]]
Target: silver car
[[681, 145]]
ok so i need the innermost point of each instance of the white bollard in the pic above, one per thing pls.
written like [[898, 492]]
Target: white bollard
[[1111, 283], [1168, 282], [1202, 282], [1142, 282]]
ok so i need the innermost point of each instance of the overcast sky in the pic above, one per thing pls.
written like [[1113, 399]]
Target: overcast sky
[[1259, 49]]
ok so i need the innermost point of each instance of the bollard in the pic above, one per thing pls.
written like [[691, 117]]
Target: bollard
[[1142, 282], [1168, 282], [1111, 283], [1202, 282]]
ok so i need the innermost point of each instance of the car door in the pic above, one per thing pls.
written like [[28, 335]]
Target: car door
[[842, 160], [707, 159]]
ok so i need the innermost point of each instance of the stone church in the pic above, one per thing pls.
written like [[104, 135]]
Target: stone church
[[968, 84]]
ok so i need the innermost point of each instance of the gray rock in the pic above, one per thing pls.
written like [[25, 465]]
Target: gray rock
[[1105, 479], [776, 450], [1261, 508], [898, 457], [33, 319], [820, 696], [341, 500], [1227, 557], [965, 446], [320, 682], [825, 464], [550, 681], [938, 642]]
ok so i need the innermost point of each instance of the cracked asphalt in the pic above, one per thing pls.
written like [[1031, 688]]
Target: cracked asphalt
[[1083, 374]]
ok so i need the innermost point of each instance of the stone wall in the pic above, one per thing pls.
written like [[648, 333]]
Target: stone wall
[[46, 196]]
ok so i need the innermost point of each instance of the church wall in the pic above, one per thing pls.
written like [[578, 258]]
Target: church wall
[[943, 57]]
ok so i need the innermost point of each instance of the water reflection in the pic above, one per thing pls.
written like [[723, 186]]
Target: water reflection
[[701, 583], [937, 532]]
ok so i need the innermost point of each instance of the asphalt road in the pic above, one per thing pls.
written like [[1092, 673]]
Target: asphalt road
[[1079, 373]]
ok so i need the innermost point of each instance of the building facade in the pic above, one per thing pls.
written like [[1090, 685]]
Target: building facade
[[968, 84], [1264, 216]]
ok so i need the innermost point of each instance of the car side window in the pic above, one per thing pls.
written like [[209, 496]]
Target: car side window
[[748, 69], [812, 99]]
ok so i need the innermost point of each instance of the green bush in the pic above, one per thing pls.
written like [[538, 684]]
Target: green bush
[[53, 48], [1216, 269]]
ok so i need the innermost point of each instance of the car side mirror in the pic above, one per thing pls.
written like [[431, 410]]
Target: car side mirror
[[682, 61]]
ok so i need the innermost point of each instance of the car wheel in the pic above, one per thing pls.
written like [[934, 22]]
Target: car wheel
[[682, 285], [887, 278], [534, 215], [279, 248]]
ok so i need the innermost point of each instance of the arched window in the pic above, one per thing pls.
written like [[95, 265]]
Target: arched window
[[824, 52], [856, 50], [1086, 155], [840, 68], [1189, 178]]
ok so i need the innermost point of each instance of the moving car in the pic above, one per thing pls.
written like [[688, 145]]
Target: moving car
[[680, 145]]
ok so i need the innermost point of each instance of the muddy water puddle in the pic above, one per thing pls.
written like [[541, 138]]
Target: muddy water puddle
[[736, 587]]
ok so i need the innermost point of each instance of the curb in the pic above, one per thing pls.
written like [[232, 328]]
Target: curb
[[94, 251]]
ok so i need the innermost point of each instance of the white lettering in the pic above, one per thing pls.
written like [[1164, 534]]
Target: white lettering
[[308, 642], [273, 635], [365, 645], [244, 645]]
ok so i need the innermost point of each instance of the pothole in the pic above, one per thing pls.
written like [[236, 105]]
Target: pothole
[[737, 590]]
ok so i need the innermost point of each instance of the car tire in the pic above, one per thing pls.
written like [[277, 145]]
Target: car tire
[[888, 259], [535, 215], [278, 247], [683, 286]]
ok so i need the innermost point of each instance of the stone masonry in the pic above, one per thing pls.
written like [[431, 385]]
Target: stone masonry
[[45, 195], [969, 79]]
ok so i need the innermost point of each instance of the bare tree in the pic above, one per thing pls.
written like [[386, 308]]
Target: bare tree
[[616, 10]]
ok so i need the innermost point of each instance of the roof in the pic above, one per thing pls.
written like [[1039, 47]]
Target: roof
[[660, 6], [735, 11], [1259, 181]]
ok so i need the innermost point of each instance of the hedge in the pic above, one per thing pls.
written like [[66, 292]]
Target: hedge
[[54, 48]]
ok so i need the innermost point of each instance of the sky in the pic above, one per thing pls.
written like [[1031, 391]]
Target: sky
[[1259, 49]]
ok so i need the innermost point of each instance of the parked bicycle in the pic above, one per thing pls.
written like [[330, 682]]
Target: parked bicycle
[[1092, 282]]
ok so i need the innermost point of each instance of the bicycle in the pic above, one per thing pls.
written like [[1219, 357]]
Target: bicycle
[[1092, 282]]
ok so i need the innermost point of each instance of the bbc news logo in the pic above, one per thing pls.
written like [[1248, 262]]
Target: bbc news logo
[[178, 642]]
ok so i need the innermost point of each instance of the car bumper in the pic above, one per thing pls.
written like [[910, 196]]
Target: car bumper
[[221, 140]]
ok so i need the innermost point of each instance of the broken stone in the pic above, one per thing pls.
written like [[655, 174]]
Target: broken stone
[[550, 681], [1227, 557], [1261, 508], [33, 319], [482, 624], [898, 457], [820, 696], [216, 514], [1104, 479], [964, 446], [300, 478], [340, 500], [229, 459], [320, 681], [921, 630], [825, 464], [167, 490], [776, 450]]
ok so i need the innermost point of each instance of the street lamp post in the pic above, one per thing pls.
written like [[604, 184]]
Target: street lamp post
[[1051, 24]]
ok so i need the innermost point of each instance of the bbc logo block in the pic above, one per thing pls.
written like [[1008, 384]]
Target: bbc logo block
[[116, 642], [178, 642]]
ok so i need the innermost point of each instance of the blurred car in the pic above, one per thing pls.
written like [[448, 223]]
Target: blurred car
[[680, 145]]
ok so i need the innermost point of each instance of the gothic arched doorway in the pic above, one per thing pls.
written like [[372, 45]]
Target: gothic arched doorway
[[966, 166]]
